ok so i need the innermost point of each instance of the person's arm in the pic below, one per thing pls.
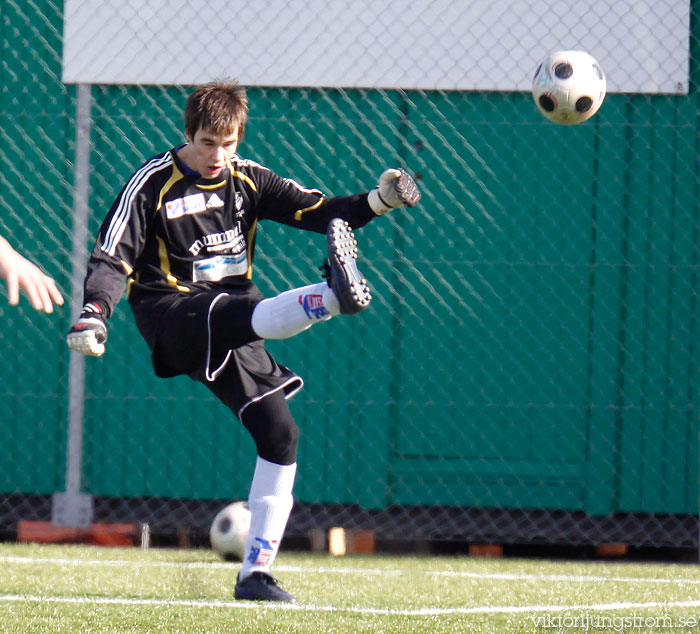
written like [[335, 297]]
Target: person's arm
[[119, 243], [20, 273], [283, 200]]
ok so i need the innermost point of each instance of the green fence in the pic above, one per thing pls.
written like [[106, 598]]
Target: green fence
[[532, 342]]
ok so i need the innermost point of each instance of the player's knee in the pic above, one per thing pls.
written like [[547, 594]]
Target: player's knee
[[282, 444], [278, 441], [274, 431]]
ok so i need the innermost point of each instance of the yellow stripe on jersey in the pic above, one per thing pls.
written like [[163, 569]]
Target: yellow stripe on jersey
[[174, 177], [214, 186], [128, 270], [244, 178], [165, 266], [298, 214], [251, 245]]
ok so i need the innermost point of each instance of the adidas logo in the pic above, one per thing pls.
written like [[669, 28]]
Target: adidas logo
[[214, 201]]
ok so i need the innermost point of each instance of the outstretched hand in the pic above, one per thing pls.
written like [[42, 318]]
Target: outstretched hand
[[20, 273], [396, 188]]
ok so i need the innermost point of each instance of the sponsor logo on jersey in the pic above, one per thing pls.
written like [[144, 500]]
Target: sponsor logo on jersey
[[179, 207], [231, 240], [239, 201], [313, 306], [174, 208], [218, 267], [214, 202], [262, 552]]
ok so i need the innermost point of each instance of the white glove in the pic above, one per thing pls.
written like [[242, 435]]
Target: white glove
[[395, 189], [89, 333]]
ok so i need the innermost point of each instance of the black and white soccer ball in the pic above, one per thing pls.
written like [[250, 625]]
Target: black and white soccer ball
[[229, 531], [568, 86]]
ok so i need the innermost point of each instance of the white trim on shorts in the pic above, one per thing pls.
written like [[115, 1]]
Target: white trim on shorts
[[212, 376], [287, 396]]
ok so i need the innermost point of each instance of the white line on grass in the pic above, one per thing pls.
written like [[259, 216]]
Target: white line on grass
[[363, 571], [246, 605]]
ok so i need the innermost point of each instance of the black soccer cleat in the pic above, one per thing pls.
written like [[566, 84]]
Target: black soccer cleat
[[340, 269], [259, 586]]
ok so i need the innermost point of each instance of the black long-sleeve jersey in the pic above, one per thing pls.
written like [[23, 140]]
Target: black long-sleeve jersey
[[172, 230]]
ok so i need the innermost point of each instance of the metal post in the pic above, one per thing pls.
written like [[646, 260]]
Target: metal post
[[73, 508]]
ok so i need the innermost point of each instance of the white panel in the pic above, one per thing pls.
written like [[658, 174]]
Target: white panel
[[642, 45]]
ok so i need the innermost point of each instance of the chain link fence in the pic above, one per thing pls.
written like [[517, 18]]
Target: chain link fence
[[528, 370]]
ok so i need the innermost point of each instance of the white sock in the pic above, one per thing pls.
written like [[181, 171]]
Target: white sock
[[270, 504], [294, 311]]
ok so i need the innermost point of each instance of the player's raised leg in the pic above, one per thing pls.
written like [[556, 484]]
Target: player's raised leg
[[344, 292]]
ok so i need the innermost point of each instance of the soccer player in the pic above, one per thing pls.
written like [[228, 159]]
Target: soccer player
[[182, 231], [20, 273]]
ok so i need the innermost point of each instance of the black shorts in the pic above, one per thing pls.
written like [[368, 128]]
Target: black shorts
[[208, 336]]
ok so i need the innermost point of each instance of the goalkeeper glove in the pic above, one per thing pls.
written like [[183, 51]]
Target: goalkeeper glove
[[396, 188], [89, 333]]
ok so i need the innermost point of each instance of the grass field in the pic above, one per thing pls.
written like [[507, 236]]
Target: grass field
[[76, 589]]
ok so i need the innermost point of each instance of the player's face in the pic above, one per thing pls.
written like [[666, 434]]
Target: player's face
[[210, 152]]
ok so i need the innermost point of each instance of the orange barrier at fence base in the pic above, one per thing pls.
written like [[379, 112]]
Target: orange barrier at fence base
[[97, 534], [485, 550], [611, 550], [343, 541]]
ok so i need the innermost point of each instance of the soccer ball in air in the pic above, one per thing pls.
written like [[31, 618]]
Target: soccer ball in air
[[568, 87], [229, 531]]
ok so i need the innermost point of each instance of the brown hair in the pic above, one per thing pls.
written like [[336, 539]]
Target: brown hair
[[220, 107]]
